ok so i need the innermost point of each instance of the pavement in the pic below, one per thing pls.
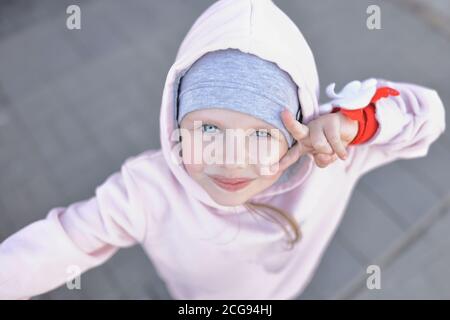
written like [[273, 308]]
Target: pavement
[[75, 104]]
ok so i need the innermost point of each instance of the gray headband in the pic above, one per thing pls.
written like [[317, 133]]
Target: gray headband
[[242, 82]]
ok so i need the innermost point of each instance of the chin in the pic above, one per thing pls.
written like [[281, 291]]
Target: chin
[[231, 200]]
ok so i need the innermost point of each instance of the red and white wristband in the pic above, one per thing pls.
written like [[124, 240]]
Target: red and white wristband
[[366, 116]]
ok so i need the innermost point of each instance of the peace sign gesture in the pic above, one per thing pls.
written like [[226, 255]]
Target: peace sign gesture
[[324, 138]]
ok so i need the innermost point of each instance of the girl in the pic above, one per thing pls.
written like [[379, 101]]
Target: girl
[[218, 230]]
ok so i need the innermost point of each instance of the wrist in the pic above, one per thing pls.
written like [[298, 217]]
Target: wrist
[[367, 122], [352, 126]]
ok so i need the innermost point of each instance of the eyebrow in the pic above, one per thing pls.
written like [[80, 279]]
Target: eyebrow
[[210, 121]]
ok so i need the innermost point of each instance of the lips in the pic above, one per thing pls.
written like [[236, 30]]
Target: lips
[[231, 184]]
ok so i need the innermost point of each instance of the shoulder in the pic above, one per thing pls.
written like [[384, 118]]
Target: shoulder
[[145, 156], [148, 171], [149, 184], [145, 163]]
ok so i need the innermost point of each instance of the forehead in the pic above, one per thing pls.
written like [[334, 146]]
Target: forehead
[[226, 118]]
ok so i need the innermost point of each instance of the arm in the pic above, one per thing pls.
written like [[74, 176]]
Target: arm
[[403, 126], [38, 257]]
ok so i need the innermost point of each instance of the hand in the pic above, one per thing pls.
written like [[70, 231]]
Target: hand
[[329, 135], [324, 138]]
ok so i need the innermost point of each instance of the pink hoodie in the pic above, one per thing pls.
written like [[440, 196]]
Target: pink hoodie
[[200, 249]]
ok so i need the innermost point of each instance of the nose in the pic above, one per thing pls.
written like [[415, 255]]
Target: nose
[[235, 150]]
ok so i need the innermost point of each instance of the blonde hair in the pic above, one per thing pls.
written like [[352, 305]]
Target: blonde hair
[[282, 218]]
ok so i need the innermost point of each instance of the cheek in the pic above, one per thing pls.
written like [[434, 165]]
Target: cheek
[[265, 156], [198, 153], [193, 169], [266, 152], [265, 180], [188, 148], [283, 148]]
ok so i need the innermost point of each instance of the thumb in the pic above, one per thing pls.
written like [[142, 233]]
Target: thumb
[[297, 129], [291, 156]]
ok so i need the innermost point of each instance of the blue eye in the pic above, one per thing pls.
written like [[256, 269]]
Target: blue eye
[[262, 133], [209, 128]]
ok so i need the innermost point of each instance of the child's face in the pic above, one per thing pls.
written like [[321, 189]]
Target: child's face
[[222, 147]]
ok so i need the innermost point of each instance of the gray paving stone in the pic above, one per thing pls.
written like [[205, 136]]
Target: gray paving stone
[[35, 56], [336, 269], [6, 225], [420, 271], [309, 294], [441, 6], [136, 275], [395, 187], [96, 283], [99, 34], [78, 176], [17, 15], [366, 228], [433, 169]]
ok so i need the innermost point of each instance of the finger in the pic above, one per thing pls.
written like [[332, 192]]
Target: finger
[[290, 157], [318, 139], [323, 160], [287, 160], [332, 131], [297, 129]]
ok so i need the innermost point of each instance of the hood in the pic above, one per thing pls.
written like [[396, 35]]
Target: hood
[[258, 27]]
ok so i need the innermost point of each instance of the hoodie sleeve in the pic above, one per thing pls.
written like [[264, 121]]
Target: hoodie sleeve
[[407, 125], [43, 255]]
